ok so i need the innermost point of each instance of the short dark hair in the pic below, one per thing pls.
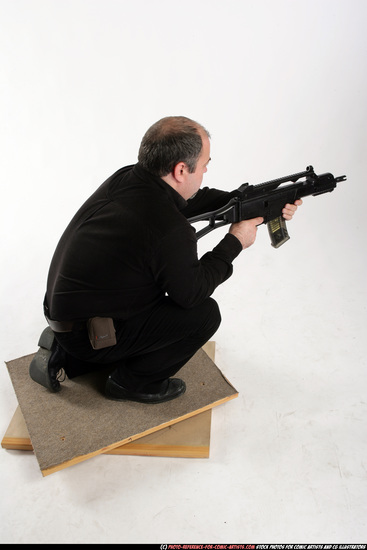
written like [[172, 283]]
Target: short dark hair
[[169, 141]]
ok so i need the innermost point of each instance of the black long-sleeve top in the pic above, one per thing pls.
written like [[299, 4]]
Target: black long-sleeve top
[[129, 245]]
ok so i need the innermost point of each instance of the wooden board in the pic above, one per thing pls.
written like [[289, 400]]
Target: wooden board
[[79, 422], [187, 439]]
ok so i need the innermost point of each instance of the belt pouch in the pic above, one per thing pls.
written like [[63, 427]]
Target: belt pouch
[[101, 332]]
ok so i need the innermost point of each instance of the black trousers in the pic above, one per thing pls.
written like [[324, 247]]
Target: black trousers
[[150, 347]]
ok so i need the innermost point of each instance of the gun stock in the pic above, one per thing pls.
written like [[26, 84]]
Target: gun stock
[[267, 200]]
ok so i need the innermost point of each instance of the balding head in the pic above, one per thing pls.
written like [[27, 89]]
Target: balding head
[[169, 141]]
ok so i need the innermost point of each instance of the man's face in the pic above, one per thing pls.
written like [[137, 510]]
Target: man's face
[[195, 179]]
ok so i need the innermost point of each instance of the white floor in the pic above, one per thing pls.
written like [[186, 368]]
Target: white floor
[[288, 456], [279, 85]]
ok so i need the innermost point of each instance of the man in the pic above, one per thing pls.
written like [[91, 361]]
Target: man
[[128, 259]]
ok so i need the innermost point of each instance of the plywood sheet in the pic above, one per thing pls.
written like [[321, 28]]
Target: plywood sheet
[[16, 436], [78, 422], [189, 438]]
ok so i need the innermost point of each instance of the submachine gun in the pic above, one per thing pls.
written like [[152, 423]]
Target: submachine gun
[[267, 200]]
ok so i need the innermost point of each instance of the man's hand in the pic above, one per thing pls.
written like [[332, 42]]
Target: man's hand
[[245, 231], [290, 209]]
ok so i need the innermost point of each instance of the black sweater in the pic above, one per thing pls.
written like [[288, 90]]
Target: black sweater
[[129, 245]]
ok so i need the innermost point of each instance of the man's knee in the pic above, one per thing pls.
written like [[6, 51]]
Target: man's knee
[[211, 315]]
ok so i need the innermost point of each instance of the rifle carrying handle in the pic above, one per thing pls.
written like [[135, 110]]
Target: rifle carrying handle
[[278, 231]]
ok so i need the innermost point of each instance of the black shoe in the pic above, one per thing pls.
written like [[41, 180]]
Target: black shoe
[[47, 365], [174, 388]]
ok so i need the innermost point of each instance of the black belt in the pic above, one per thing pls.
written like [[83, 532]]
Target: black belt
[[66, 326]]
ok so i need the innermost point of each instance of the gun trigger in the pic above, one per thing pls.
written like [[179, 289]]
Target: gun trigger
[[278, 231]]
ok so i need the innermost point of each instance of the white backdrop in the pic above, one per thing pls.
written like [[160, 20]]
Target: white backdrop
[[279, 84]]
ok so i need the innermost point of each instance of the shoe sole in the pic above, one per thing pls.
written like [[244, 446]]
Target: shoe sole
[[46, 339], [38, 369]]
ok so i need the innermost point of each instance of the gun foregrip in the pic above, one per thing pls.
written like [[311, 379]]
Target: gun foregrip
[[278, 231]]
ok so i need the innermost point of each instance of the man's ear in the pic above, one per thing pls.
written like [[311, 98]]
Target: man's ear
[[180, 171]]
